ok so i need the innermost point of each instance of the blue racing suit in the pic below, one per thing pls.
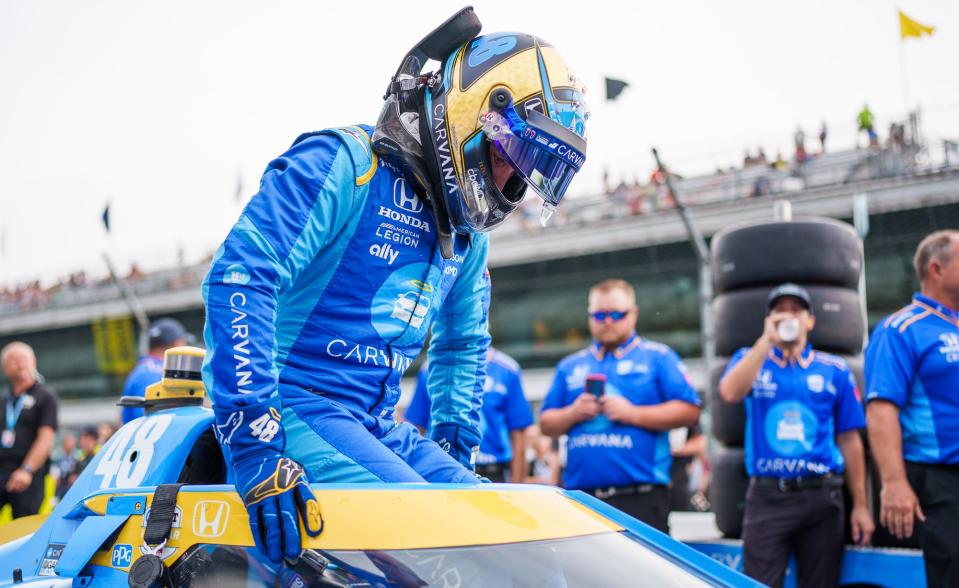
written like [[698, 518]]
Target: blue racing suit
[[318, 301]]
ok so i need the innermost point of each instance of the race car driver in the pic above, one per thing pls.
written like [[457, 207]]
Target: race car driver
[[360, 240]]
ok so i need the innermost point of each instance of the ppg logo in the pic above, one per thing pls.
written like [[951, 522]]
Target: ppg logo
[[210, 518], [122, 555], [407, 202]]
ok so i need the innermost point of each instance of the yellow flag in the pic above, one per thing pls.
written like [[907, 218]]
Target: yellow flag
[[911, 28]]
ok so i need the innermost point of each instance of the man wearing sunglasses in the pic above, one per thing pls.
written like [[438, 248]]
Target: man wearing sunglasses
[[617, 400]]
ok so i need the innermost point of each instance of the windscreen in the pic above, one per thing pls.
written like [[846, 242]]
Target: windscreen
[[608, 559]]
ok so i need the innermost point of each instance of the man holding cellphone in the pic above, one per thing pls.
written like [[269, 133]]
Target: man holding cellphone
[[803, 422], [617, 400]]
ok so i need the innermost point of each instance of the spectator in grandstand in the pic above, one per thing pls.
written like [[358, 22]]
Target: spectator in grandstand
[[28, 431], [761, 156], [779, 164], [912, 374], [866, 122], [618, 199], [761, 187], [799, 138], [638, 199], [803, 418], [136, 274], [164, 333], [897, 136], [617, 400], [504, 417], [65, 463]]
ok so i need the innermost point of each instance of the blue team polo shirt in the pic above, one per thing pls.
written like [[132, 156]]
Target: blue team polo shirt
[[794, 411], [147, 371], [601, 452], [913, 361], [504, 408]]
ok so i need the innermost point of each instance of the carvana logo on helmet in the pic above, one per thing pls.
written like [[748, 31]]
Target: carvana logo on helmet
[[236, 274]]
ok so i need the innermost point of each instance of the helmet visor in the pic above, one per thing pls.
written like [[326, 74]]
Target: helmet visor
[[543, 152]]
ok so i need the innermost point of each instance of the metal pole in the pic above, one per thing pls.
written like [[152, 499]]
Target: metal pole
[[133, 302], [860, 220], [699, 243], [706, 335]]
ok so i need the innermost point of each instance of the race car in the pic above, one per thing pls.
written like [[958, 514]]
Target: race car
[[154, 509]]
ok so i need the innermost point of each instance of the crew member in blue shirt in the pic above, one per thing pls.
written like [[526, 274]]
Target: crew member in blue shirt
[[504, 418], [164, 333], [912, 390], [803, 421], [618, 445]]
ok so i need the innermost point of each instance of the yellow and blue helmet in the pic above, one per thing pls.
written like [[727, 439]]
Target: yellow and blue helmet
[[514, 93], [508, 92]]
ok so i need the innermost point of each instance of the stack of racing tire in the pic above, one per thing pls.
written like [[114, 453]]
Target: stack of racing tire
[[824, 256]]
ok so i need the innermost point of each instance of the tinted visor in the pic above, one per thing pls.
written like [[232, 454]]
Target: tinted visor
[[543, 152]]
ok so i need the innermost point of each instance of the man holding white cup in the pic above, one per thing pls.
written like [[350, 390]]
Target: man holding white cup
[[803, 417]]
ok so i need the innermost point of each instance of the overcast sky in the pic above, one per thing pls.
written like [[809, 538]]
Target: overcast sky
[[158, 107]]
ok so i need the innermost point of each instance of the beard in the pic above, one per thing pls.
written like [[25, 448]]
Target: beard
[[611, 338]]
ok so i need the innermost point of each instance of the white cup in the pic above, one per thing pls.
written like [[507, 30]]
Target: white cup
[[788, 330]]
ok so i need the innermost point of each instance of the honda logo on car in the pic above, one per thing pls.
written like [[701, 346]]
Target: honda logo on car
[[210, 518]]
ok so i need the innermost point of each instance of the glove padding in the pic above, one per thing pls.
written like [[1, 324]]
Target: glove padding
[[274, 489], [461, 443]]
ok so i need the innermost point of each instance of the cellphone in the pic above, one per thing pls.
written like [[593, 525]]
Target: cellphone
[[596, 384]]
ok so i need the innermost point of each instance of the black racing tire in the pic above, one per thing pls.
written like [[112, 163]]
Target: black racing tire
[[813, 251], [728, 420], [840, 326], [727, 489]]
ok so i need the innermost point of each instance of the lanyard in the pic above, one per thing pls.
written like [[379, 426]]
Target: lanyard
[[13, 411]]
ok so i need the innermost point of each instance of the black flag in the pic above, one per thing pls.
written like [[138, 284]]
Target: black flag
[[614, 87], [106, 217]]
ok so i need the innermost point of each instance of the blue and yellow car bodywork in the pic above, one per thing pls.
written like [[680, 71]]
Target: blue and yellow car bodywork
[[96, 533]]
